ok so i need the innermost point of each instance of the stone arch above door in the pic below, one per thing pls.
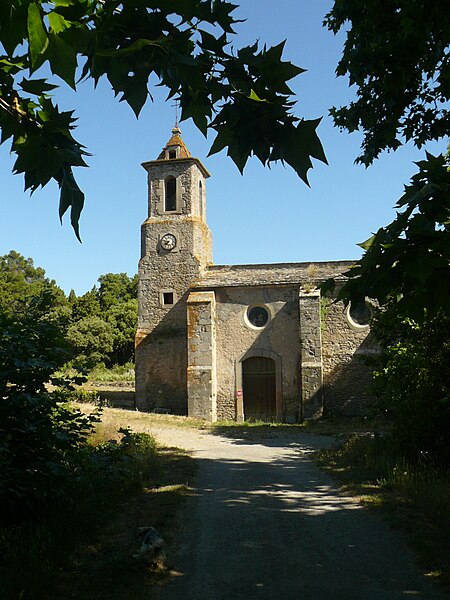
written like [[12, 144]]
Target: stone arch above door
[[258, 352]]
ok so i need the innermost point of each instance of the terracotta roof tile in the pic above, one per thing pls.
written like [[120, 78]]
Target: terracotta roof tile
[[174, 141]]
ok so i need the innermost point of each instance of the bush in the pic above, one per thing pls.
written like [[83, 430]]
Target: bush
[[413, 385], [40, 436], [33, 553]]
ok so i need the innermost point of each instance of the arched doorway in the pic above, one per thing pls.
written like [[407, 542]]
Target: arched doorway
[[259, 388]]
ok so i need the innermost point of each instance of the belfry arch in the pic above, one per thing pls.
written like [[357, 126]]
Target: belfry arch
[[170, 194]]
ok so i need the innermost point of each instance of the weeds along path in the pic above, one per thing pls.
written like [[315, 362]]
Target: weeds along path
[[265, 522]]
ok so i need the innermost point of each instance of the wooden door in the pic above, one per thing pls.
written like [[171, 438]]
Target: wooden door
[[259, 388]]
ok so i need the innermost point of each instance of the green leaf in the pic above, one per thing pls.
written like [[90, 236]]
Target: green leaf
[[62, 58], [298, 145], [254, 96], [366, 245], [221, 141], [74, 10], [36, 86], [58, 23], [134, 47], [37, 35], [221, 12], [71, 197], [214, 45], [13, 24], [12, 65]]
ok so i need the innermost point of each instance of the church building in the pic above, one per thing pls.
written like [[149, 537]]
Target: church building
[[236, 341]]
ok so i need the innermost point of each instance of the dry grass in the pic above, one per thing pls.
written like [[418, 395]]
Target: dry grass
[[414, 499], [104, 568], [114, 418], [84, 548]]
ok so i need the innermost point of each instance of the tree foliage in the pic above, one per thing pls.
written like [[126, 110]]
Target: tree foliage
[[242, 95], [122, 318], [24, 289], [97, 327], [413, 383], [104, 321], [397, 54], [92, 339], [408, 261], [116, 288], [39, 435]]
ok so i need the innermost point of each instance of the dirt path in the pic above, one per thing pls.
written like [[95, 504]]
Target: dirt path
[[266, 523]]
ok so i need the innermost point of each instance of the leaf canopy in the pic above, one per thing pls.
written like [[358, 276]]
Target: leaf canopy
[[397, 55], [185, 43], [407, 263]]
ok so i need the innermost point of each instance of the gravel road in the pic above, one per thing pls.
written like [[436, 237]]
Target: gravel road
[[265, 523]]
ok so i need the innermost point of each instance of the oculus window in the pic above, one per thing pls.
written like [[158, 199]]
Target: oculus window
[[359, 315], [258, 316]]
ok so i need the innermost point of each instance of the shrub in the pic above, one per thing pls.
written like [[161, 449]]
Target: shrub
[[413, 384]]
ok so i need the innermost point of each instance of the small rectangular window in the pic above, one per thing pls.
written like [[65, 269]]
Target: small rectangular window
[[168, 298], [172, 153]]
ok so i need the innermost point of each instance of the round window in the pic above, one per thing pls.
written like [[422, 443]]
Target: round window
[[360, 314], [258, 316]]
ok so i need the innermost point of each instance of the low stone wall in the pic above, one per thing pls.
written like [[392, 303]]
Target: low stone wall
[[120, 394], [118, 399]]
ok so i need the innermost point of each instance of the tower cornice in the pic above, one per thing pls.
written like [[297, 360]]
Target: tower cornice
[[164, 161]]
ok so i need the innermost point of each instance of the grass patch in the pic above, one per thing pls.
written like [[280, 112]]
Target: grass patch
[[113, 418], [115, 373], [334, 426], [101, 373], [82, 545], [104, 567], [413, 498]]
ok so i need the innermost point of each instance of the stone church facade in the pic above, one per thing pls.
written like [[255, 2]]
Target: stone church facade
[[236, 342]]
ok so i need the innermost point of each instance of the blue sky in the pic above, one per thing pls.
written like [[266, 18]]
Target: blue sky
[[265, 216]]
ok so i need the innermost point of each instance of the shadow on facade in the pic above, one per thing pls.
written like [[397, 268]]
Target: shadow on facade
[[162, 385], [163, 356], [348, 388]]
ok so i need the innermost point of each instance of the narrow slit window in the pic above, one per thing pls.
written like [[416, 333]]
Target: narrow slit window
[[168, 298], [170, 204], [200, 197]]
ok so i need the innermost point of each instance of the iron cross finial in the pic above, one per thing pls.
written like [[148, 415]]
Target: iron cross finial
[[177, 106]]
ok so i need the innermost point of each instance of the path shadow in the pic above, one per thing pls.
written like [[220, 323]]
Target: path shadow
[[273, 436], [277, 526]]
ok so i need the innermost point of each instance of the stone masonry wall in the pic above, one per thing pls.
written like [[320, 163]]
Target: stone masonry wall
[[236, 340], [311, 354], [188, 176], [347, 377], [201, 370], [161, 340]]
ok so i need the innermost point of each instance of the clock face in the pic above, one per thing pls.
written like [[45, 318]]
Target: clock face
[[168, 241]]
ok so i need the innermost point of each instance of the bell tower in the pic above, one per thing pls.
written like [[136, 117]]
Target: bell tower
[[176, 248]]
